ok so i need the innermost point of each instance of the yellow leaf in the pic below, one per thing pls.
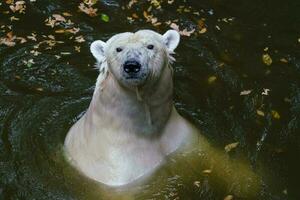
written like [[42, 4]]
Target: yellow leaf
[[134, 15], [60, 31], [17, 77], [266, 91], [275, 114], [211, 79], [267, 59], [231, 146], [260, 113], [245, 92], [229, 197], [207, 171], [197, 183], [283, 60], [203, 30], [66, 14]]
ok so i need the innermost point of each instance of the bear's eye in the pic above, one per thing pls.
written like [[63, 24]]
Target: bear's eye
[[150, 46], [119, 49]]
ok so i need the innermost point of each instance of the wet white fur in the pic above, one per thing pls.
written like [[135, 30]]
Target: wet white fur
[[114, 143]]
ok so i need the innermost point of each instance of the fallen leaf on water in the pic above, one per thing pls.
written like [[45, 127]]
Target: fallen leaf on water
[[131, 2], [9, 1], [260, 113], [201, 23], [77, 48], [266, 91], [184, 32], [231, 146], [19, 6], [35, 53], [245, 92], [156, 3], [197, 183], [207, 171], [90, 2], [13, 18], [92, 12], [58, 18], [79, 39], [229, 197], [135, 16], [40, 89], [267, 60], [283, 60], [50, 22], [8, 40], [105, 17], [17, 77], [285, 191], [66, 14], [29, 62], [65, 53], [211, 79], [275, 114], [203, 30]]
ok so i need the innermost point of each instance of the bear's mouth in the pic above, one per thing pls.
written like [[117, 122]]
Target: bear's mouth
[[133, 78]]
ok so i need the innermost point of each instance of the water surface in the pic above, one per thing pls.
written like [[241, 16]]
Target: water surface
[[44, 89]]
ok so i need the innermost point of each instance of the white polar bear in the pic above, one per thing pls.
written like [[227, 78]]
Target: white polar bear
[[131, 124]]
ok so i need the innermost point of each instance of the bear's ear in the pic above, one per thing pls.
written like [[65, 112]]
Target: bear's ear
[[171, 39], [97, 49]]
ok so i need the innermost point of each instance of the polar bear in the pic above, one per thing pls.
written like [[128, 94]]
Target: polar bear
[[131, 124]]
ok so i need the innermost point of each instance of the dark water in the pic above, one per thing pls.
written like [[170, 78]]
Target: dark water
[[40, 100]]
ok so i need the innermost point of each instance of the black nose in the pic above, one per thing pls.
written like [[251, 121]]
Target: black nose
[[132, 66]]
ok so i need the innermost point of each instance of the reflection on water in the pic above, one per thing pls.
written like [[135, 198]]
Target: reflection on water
[[45, 90]]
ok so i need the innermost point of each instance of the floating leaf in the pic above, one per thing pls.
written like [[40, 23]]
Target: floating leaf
[[211, 79], [92, 12], [231, 146], [184, 32], [260, 113], [229, 197], [90, 2], [29, 62], [77, 48], [79, 39], [267, 59], [203, 30], [58, 18], [245, 92], [105, 17], [283, 60], [19, 7], [18, 77], [275, 114], [207, 171], [66, 14], [266, 92], [197, 183]]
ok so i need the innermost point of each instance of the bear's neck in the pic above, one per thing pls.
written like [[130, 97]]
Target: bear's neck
[[143, 111]]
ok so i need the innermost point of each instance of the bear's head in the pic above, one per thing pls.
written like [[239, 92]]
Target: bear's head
[[135, 59]]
